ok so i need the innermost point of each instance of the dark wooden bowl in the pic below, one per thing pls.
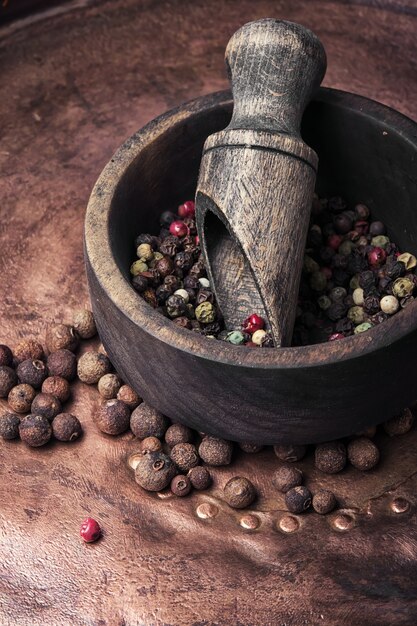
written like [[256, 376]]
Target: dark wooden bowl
[[367, 153]]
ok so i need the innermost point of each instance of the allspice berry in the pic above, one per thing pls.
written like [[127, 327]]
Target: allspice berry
[[362, 453], [28, 349], [298, 499], [61, 337], [32, 373], [84, 324], [8, 379], [35, 430], [62, 363], [112, 417], [330, 457], [66, 427], [324, 501], [215, 451], [58, 387], [400, 424], [180, 485], [20, 398], [6, 356], [178, 433], [9, 426], [200, 477], [109, 385], [146, 421], [287, 477], [92, 366], [290, 453], [154, 471], [239, 492], [185, 456], [250, 448], [129, 397], [46, 405], [150, 444]]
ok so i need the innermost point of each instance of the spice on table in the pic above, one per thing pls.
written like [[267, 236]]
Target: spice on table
[[6, 356], [146, 421], [200, 477], [129, 396], [84, 324], [8, 379], [178, 433], [20, 398], [35, 430], [92, 366], [150, 444], [239, 492], [330, 457], [298, 499], [154, 471], [399, 424], [28, 349], [62, 363], [112, 417], [215, 451], [181, 485], [58, 387], [109, 386], [362, 453], [9, 426], [61, 337], [90, 530], [250, 448], [324, 501], [32, 373], [290, 453], [47, 405], [286, 477], [185, 456], [66, 427]]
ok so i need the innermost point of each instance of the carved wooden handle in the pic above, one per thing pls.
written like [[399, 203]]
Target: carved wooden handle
[[257, 176]]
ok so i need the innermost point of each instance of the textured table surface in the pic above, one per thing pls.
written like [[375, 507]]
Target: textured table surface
[[75, 82]]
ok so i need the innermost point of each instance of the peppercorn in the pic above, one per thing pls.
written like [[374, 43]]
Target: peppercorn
[[178, 433], [138, 267], [165, 266], [176, 306], [356, 314], [337, 294], [180, 485], [408, 259], [362, 328], [28, 349], [399, 424], [6, 356], [46, 405], [324, 501], [389, 305], [109, 385], [9, 426], [90, 530], [376, 257], [35, 430], [346, 247], [358, 296], [146, 238], [66, 427], [290, 453], [129, 396], [166, 218], [205, 313], [84, 324], [402, 287], [146, 421], [144, 252], [362, 453], [150, 444], [366, 280], [183, 260], [336, 311], [239, 492], [250, 448], [61, 337], [380, 241], [183, 322], [20, 398], [92, 366], [200, 477], [62, 363], [154, 471], [187, 209], [8, 379], [236, 337], [286, 477], [56, 386], [140, 283], [204, 295], [330, 457], [32, 373], [185, 456], [298, 499], [178, 229], [170, 246], [258, 337], [377, 228], [215, 451], [342, 223], [112, 417], [310, 265], [324, 302], [362, 211]]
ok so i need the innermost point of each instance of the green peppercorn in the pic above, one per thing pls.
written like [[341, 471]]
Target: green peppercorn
[[236, 337], [180, 485], [239, 492], [310, 265], [380, 241], [361, 328], [356, 314], [399, 424], [345, 247], [402, 287], [286, 477], [137, 267], [154, 471], [144, 252], [9, 426], [324, 302], [324, 501], [362, 453], [330, 457], [185, 456], [205, 313], [354, 282], [318, 281], [298, 499]]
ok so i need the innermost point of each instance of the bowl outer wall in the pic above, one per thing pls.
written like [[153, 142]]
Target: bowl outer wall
[[288, 395]]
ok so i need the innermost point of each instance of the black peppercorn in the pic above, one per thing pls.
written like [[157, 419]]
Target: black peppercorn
[[362, 453], [165, 266], [178, 433], [371, 304], [176, 306], [200, 477], [8, 379], [287, 477], [146, 421], [140, 283], [336, 311], [367, 280], [204, 295], [32, 373], [185, 456], [9, 426], [298, 499], [183, 260], [198, 270], [337, 204], [324, 501], [290, 453], [330, 457], [6, 356], [214, 451], [170, 246], [35, 430], [112, 417], [46, 405], [154, 471], [146, 238], [239, 492], [152, 276], [377, 228], [180, 485], [182, 321], [62, 363], [326, 254], [66, 427], [20, 398], [210, 329], [191, 282], [400, 424], [150, 297]]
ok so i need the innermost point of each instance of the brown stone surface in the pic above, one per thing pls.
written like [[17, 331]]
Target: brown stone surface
[[73, 86]]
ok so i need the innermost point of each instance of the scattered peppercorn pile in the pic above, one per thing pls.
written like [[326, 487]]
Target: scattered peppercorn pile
[[354, 277], [36, 383]]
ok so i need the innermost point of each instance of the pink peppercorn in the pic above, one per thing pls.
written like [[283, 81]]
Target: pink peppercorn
[[178, 228], [90, 530], [187, 209], [252, 323], [336, 336], [376, 257], [334, 241]]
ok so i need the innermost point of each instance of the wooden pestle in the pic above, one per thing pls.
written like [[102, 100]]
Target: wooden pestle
[[257, 176]]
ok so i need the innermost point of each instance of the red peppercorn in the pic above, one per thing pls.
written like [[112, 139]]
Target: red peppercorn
[[252, 323], [250, 344], [336, 336], [187, 209], [334, 241], [90, 530], [376, 257], [179, 229], [197, 240]]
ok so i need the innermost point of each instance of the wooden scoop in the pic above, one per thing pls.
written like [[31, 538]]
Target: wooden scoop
[[257, 176]]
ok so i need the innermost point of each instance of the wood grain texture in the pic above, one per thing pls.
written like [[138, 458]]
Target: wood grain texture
[[73, 87], [257, 177]]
